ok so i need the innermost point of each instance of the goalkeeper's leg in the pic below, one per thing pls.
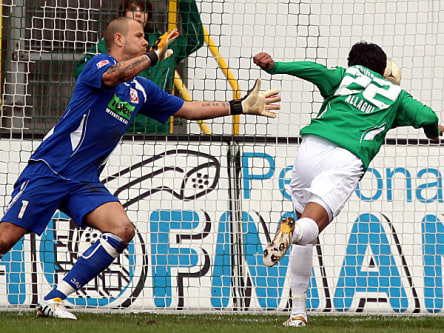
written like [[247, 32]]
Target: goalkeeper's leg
[[92, 262], [10, 234], [109, 218]]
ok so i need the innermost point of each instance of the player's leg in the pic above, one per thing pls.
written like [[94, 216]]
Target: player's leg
[[107, 216], [305, 169], [36, 195], [9, 235], [301, 257], [324, 178], [302, 232], [117, 231], [301, 264], [320, 202], [18, 215]]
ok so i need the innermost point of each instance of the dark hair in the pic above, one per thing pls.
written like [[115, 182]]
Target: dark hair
[[368, 55], [144, 5]]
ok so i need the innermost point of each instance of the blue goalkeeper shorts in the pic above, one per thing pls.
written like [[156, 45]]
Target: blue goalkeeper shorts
[[39, 192]]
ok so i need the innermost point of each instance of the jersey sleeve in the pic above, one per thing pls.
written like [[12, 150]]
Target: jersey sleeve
[[325, 78], [94, 69], [411, 112], [100, 47], [159, 104]]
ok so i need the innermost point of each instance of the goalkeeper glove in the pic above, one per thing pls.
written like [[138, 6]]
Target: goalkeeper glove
[[160, 51], [255, 102]]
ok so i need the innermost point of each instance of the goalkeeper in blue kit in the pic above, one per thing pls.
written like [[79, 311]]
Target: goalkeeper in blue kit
[[360, 106], [63, 172]]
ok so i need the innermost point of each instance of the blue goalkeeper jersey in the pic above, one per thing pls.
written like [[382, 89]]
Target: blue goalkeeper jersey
[[96, 118]]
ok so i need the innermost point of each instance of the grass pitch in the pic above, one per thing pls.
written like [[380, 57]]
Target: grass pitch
[[25, 322]]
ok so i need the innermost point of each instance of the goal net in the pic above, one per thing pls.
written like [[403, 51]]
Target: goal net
[[206, 197]]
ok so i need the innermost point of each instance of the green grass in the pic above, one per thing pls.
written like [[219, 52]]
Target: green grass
[[25, 322]]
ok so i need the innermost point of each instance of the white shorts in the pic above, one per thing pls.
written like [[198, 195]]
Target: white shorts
[[324, 173]]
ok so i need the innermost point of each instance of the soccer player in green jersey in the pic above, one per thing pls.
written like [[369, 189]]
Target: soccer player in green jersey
[[360, 106]]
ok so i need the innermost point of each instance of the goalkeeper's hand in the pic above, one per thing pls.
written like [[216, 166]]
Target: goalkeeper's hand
[[255, 102], [160, 51]]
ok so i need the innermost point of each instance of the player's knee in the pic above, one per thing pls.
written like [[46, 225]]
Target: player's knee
[[307, 231], [130, 232], [113, 244], [5, 246], [9, 235], [2, 250], [125, 232]]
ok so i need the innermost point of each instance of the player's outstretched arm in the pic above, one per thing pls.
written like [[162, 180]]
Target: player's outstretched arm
[[256, 102]]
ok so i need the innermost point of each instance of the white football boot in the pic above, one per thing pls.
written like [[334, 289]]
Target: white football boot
[[295, 322], [53, 308], [282, 241]]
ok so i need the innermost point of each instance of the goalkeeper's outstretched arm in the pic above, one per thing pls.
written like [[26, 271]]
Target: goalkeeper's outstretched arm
[[255, 102]]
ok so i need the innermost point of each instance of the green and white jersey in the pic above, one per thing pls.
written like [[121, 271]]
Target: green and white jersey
[[359, 107]]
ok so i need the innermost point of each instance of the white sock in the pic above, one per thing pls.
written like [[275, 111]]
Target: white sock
[[301, 264], [306, 231], [65, 288]]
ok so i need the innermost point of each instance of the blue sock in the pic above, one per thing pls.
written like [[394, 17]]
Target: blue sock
[[55, 293], [94, 260]]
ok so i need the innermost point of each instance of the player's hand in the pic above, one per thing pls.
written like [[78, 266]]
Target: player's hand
[[263, 60], [256, 102], [441, 131], [160, 50]]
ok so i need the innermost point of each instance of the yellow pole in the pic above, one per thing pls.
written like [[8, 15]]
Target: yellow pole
[[231, 79], [178, 83], [172, 23], [172, 14]]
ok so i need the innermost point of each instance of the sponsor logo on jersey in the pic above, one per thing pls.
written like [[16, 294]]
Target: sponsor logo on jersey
[[121, 110], [102, 63], [134, 96]]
